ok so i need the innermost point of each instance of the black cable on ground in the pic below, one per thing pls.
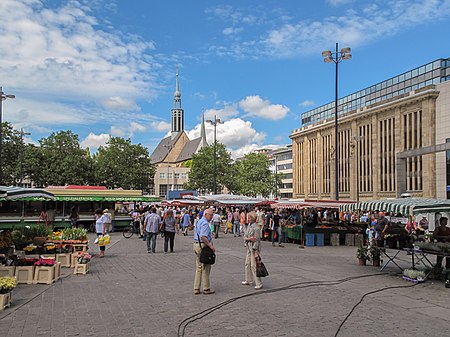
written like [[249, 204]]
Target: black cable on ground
[[362, 298], [299, 285]]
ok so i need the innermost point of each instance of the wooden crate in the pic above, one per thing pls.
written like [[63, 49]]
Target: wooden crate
[[73, 259], [64, 259], [24, 274], [80, 247], [359, 240], [349, 239], [7, 271], [5, 300], [57, 271], [44, 274], [81, 268]]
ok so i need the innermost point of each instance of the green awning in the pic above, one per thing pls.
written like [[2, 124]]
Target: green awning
[[112, 198], [78, 198]]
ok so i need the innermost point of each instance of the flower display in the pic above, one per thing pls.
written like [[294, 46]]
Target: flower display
[[84, 257], [74, 234], [45, 262], [26, 262], [7, 284], [28, 249]]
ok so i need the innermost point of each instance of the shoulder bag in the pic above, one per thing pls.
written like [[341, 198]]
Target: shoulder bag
[[207, 255], [261, 270]]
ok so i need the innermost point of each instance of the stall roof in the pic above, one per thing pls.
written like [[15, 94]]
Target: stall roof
[[406, 206], [96, 194], [15, 193], [306, 203]]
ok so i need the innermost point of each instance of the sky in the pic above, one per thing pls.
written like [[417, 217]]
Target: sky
[[105, 68]]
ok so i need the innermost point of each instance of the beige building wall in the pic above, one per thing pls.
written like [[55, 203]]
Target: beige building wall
[[442, 134], [369, 140]]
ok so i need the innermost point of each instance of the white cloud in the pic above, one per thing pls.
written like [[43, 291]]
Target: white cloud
[[306, 103], [117, 131], [94, 141], [355, 28], [61, 58], [127, 130], [136, 127], [229, 110], [339, 2], [255, 106], [232, 30], [234, 133], [161, 126]]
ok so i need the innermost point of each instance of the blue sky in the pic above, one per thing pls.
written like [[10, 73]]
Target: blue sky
[[107, 67]]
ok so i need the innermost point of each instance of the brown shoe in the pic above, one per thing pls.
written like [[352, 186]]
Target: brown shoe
[[196, 292], [208, 292]]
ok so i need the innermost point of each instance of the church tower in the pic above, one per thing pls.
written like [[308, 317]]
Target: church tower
[[177, 112]]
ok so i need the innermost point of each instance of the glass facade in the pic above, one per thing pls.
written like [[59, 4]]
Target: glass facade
[[432, 73]]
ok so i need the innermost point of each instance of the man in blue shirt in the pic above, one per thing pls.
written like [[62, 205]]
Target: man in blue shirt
[[152, 222], [185, 222], [202, 236]]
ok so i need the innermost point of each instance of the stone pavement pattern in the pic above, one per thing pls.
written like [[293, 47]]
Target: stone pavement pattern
[[132, 293]]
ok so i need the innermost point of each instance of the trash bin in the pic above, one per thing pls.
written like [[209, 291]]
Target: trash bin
[[309, 239], [320, 239]]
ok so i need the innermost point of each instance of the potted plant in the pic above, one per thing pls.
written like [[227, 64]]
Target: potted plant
[[82, 263], [362, 255], [6, 242], [375, 255], [25, 270], [7, 284], [45, 271]]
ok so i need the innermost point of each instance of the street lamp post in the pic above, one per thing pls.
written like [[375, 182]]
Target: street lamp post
[[22, 133], [3, 97], [336, 57], [214, 123]]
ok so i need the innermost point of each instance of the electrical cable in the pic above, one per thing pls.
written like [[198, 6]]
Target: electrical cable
[[362, 298], [183, 325]]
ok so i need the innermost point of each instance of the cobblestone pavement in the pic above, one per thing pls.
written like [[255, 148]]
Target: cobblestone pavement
[[132, 293]]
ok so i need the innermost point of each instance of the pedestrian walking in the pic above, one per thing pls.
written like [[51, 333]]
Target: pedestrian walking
[[169, 231], [216, 221], [276, 228], [202, 236], [152, 222], [252, 240], [236, 225], [185, 222]]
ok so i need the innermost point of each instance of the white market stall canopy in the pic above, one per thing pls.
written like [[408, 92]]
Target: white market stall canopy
[[405, 206], [14, 193], [302, 203], [226, 199]]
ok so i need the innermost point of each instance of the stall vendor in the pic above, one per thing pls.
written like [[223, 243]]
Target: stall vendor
[[381, 226], [442, 234]]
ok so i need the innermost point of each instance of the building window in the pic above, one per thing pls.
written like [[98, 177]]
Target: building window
[[448, 171], [313, 166], [162, 190], [177, 176], [326, 167], [162, 175], [184, 175], [412, 139], [387, 155]]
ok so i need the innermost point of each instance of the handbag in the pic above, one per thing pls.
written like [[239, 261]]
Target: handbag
[[261, 270], [207, 255]]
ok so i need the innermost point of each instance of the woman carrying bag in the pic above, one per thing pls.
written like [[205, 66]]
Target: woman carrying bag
[[100, 227], [252, 240]]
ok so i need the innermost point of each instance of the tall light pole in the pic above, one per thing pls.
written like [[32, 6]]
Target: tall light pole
[[3, 97], [336, 57], [169, 148], [22, 133], [214, 123]]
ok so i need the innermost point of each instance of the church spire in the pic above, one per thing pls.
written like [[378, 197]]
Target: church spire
[[177, 112], [203, 131]]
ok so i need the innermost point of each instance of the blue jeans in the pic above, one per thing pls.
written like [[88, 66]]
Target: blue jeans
[[236, 228], [151, 242], [278, 231]]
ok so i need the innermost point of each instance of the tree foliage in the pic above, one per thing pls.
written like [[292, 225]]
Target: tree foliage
[[62, 161], [122, 164], [11, 147], [253, 176], [202, 169]]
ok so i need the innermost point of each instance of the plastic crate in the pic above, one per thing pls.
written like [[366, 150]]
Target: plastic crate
[[309, 239]]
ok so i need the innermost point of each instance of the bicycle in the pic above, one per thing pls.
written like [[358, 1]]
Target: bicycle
[[131, 229]]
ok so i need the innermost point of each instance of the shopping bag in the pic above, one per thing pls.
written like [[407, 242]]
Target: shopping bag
[[207, 255], [261, 270], [106, 239], [229, 225]]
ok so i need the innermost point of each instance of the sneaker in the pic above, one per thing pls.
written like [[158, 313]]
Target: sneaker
[[245, 283], [280, 245], [149, 251], [208, 292], [258, 287], [196, 292]]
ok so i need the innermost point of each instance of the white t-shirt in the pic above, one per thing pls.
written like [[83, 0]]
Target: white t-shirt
[[99, 223]]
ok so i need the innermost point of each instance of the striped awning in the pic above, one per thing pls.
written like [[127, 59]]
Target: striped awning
[[15, 193], [405, 206]]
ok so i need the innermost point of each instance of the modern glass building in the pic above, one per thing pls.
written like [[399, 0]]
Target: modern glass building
[[431, 73]]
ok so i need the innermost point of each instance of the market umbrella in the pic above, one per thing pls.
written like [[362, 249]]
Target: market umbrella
[[15, 193]]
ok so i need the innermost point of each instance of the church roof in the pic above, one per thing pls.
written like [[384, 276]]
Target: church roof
[[189, 149], [162, 150]]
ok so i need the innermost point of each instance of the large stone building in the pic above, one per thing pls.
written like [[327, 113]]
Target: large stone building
[[172, 153], [393, 138], [281, 162]]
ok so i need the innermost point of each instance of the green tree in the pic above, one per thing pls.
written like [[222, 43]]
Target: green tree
[[202, 169], [122, 164], [10, 155], [62, 161], [253, 176]]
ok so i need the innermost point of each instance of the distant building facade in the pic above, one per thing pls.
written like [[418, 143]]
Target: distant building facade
[[393, 138], [281, 162], [172, 153]]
